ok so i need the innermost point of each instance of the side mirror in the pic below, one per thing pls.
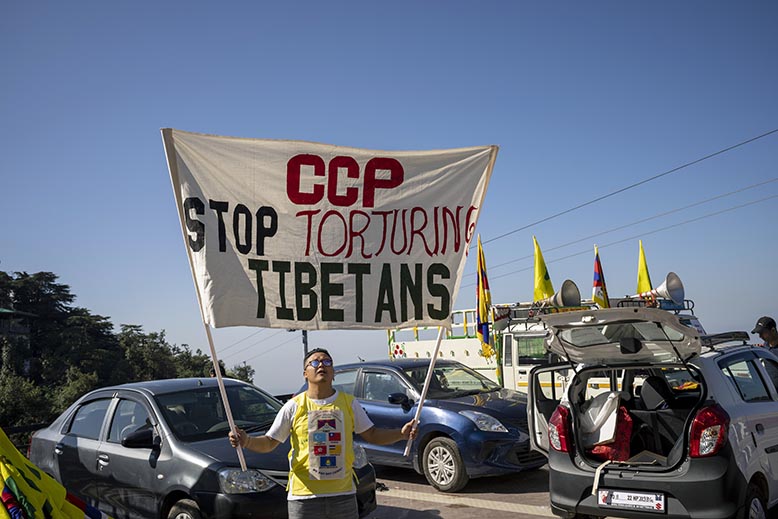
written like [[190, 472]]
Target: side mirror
[[402, 399], [142, 439], [630, 345]]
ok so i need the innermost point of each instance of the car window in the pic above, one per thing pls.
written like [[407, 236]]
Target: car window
[[744, 375], [531, 348], [507, 350], [547, 384], [378, 386], [345, 380], [199, 414], [771, 368], [88, 419], [130, 416], [451, 381]]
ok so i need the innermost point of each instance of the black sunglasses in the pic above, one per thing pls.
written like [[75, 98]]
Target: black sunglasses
[[317, 363]]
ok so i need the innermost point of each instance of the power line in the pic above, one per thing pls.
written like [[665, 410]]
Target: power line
[[636, 222], [631, 186], [243, 339], [272, 349], [588, 251], [255, 343]]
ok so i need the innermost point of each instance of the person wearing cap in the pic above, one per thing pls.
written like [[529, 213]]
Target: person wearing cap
[[765, 328], [321, 422]]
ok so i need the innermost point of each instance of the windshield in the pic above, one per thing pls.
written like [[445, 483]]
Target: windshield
[[198, 414], [451, 381]]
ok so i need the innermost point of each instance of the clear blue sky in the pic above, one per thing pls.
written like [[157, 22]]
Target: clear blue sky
[[583, 99]]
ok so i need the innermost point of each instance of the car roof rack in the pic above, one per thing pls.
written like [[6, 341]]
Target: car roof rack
[[662, 304]]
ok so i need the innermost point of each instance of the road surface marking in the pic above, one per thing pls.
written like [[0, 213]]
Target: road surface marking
[[459, 500]]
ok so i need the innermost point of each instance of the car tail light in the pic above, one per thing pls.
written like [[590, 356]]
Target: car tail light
[[709, 431], [560, 435]]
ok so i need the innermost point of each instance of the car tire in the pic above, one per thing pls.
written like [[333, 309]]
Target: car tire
[[754, 506], [185, 509], [443, 465]]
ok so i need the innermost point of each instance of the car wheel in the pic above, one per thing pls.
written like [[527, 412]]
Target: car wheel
[[443, 465], [754, 506], [185, 509]]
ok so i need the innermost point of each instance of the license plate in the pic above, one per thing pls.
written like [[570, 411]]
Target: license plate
[[650, 502]]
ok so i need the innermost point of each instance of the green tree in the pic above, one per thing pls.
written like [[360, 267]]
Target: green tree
[[243, 372], [190, 364], [77, 384], [149, 355]]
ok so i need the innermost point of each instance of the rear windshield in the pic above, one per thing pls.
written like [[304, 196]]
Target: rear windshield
[[612, 333], [199, 414]]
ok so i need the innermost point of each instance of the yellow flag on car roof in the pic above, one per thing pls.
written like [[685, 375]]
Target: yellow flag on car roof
[[543, 287], [644, 280]]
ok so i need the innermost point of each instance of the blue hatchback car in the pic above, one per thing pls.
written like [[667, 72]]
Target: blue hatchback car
[[469, 426]]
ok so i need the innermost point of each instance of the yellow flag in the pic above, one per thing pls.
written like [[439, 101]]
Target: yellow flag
[[34, 491], [543, 287], [484, 302], [644, 280]]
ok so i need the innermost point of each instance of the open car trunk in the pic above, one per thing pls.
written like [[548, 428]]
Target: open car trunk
[[636, 415]]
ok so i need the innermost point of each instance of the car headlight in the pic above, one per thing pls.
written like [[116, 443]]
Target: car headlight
[[484, 422], [236, 481], [360, 456]]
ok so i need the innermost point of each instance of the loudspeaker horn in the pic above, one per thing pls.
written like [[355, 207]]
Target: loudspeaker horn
[[568, 295], [671, 288]]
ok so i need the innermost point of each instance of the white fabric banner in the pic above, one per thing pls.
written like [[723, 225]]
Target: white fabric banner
[[290, 234]]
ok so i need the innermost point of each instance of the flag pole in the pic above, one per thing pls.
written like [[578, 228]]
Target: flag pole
[[425, 388], [223, 391], [170, 156]]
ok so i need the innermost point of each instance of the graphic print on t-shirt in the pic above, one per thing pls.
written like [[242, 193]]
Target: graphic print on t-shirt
[[325, 444]]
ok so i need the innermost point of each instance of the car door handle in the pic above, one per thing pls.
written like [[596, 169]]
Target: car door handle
[[759, 428], [103, 459], [58, 449]]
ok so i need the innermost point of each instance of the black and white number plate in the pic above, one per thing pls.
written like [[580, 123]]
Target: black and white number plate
[[631, 500]]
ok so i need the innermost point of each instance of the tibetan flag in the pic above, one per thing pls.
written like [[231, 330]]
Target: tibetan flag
[[326, 424], [644, 280], [599, 292], [484, 303], [543, 286]]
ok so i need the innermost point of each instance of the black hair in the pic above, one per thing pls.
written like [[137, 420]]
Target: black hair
[[316, 350], [212, 372]]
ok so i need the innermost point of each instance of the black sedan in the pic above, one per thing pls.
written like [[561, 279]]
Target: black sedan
[[159, 449], [469, 426]]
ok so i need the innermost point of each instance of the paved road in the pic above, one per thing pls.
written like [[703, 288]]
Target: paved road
[[409, 496]]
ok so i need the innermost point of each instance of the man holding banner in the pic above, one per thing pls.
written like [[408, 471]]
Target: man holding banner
[[309, 236], [321, 422]]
